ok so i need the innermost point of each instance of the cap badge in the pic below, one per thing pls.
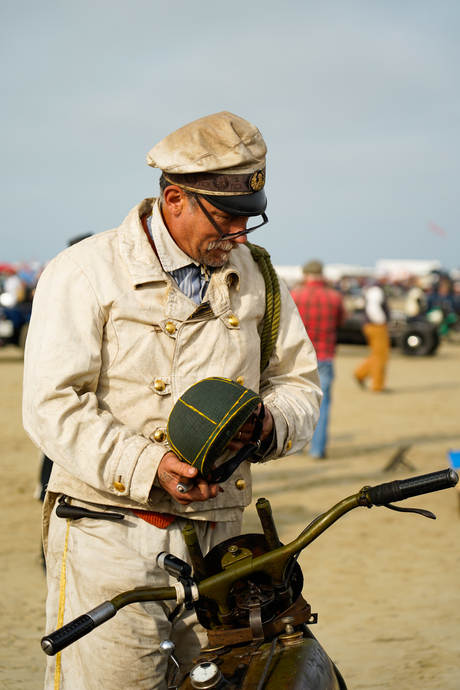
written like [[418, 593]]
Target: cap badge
[[257, 181]]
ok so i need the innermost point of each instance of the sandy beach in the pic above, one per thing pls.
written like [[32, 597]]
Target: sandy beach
[[385, 585]]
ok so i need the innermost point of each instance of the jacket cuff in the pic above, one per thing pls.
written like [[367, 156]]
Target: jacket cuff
[[136, 481], [280, 442]]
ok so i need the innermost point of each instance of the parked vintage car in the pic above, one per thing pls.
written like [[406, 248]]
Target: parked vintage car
[[415, 335], [14, 324]]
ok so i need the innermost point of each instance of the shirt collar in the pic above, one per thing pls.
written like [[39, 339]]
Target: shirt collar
[[170, 254]]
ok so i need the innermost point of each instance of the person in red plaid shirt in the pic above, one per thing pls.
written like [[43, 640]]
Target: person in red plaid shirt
[[322, 311]]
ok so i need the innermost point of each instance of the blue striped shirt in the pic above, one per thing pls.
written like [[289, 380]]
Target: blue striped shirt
[[191, 278], [193, 281]]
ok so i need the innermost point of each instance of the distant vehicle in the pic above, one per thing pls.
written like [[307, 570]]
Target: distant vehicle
[[445, 320], [415, 336], [14, 324]]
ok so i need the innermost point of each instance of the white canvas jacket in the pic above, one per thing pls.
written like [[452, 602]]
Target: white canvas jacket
[[113, 343]]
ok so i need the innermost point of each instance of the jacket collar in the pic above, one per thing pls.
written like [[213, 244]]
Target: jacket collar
[[135, 250], [170, 254], [139, 257]]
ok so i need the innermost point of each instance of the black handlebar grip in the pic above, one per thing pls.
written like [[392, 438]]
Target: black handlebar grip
[[73, 631], [53, 643], [415, 486]]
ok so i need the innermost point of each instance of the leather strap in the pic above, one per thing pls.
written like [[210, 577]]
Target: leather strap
[[300, 611]]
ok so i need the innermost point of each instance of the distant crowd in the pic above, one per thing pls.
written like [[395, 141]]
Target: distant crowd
[[418, 294], [18, 282], [414, 295]]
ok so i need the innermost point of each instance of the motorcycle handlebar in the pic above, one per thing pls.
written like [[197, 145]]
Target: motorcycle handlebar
[[415, 486], [73, 631], [278, 559]]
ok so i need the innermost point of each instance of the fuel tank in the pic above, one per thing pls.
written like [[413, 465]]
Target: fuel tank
[[292, 663]]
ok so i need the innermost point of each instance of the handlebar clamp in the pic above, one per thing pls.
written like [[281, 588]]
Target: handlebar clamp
[[186, 588]]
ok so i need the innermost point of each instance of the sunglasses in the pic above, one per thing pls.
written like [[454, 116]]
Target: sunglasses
[[232, 235]]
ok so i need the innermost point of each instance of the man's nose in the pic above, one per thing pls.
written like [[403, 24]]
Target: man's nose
[[238, 227]]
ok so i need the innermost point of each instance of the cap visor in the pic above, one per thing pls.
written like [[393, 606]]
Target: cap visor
[[241, 205]]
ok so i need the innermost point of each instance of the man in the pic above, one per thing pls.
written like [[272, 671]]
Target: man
[[375, 331], [123, 323], [322, 311], [416, 298]]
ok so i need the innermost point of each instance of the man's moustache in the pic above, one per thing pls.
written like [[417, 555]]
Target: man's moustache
[[226, 245]]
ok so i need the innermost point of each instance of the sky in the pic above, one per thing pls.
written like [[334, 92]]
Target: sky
[[358, 102]]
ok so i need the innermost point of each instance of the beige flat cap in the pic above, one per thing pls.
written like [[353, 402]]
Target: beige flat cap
[[220, 157], [221, 143]]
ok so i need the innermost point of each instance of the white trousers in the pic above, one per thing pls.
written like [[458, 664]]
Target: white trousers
[[90, 561]]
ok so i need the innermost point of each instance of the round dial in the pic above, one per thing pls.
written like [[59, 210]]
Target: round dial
[[204, 675]]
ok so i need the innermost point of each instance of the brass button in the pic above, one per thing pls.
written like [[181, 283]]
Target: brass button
[[159, 385], [159, 435], [170, 328], [288, 445], [119, 486], [240, 484], [240, 380], [233, 320]]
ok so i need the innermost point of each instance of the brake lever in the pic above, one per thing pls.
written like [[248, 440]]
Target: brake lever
[[67, 511], [419, 511]]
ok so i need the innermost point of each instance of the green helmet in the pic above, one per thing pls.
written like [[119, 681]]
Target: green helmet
[[206, 417]]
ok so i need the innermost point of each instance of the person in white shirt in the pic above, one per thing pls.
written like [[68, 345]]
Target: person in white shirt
[[376, 332]]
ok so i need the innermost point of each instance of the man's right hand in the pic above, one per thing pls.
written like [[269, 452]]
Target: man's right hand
[[171, 471]]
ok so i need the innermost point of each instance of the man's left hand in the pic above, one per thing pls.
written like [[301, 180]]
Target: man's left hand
[[243, 436]]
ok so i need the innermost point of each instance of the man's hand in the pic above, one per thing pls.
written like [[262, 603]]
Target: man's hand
[[171, 471], [243, 436]]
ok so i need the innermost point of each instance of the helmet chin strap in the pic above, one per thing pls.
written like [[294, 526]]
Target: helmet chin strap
[[220, 474]]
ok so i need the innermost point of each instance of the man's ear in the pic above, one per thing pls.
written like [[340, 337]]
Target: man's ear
[[174, 199]]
